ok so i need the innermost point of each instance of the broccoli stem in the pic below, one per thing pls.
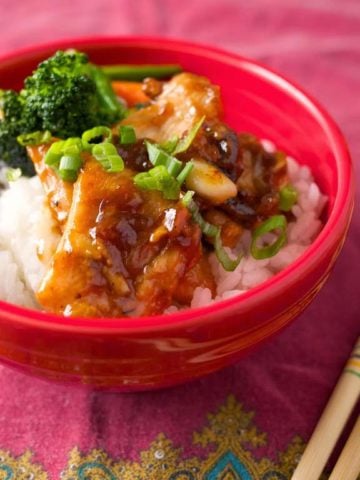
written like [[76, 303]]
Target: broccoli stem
[[139, 72], [106, 94]]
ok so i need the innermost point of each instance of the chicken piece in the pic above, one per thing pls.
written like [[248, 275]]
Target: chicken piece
[[198, 276], [182, 102], [125, 251], [109, 261], [58, 192]]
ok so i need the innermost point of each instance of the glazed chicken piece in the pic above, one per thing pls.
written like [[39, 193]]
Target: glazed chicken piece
[[182, 102], [58, 192], [198, 276], [127, 251], [123, 252]]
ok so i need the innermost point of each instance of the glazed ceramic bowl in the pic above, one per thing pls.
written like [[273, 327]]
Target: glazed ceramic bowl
[[132, 354]]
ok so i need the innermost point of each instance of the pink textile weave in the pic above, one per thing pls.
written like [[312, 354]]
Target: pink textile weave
[[286, 382]]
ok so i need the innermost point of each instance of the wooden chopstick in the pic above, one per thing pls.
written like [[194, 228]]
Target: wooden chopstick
[[348, 465], [332, 421]]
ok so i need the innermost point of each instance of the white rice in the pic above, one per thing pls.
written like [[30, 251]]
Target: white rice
[[26, 225]]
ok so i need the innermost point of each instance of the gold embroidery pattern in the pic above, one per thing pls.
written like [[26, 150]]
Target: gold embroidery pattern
[[230, 437], [229, 440], [20, 468]]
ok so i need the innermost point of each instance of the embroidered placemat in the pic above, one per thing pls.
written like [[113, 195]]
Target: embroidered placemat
[[249, 421]]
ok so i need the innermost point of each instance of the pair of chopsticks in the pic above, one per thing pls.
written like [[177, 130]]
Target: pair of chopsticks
[[327, 432]]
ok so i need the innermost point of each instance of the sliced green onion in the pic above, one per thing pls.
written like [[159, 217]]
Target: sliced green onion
[[186, 199], [107, 155], [72, 146], [184, 143], [89, 137], [127, 134], [174, 166], [170, 145], [70, 163], [114, 164], [64, 157], [185, 172], [206, 227], [159, 157], [103, 150], [276, 222], [288, 198], [158, 178], [156, 155], [69, 167], [139, 72], [13, 174], [54, 154], [211, 231], [34, 138], [228, 263]]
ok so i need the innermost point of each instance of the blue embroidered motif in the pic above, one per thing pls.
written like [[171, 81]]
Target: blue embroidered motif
[[8, 471], [229, 459], [89, 465]]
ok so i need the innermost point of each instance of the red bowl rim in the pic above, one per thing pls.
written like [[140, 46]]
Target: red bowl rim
[[342, 207]]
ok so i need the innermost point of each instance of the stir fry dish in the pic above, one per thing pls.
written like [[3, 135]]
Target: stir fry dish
[[145, 182]]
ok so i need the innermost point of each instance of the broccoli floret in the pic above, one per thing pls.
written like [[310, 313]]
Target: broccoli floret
[[11, 125], [66, 95]]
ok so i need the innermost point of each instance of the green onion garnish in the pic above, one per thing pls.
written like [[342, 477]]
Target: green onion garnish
[[13, 174], [159, 157], [206, 227], [127, 135], [64, 157], [96, 135], [107, 155], [184, 143], [185, 172], [139, 72], [158, 178], [170, 145], [211, 231], [288, 198], [54, 154], [69, 167], [169, 183], [186, 199], [228, 263], [72, 146], [276, 222], [34, 138]]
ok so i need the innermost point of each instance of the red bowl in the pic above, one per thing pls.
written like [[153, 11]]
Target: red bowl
[[140, 353]]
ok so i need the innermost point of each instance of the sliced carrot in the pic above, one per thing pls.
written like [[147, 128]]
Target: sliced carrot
[[131, 92]]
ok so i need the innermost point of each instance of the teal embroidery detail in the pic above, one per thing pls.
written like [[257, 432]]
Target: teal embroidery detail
[[82, 471], [9, 472], [228, 462], [230, 437]]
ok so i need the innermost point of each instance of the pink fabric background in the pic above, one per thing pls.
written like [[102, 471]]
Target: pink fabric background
[[287, 382]]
